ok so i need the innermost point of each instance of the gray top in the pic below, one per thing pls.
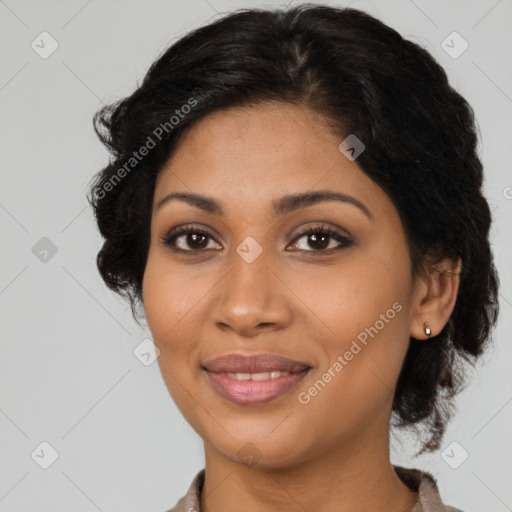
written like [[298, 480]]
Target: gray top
[[418, 481]]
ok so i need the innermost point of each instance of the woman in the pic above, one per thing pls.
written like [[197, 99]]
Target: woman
[[294, 199]]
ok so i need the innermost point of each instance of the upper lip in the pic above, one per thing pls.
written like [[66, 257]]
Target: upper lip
[[239, 363]]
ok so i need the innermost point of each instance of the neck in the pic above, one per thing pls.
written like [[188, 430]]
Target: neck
[[352, 477]]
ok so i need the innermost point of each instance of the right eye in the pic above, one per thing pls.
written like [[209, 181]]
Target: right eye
[[187, 239]]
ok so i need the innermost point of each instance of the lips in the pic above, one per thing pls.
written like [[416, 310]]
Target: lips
[[257, 379], [262, 363]]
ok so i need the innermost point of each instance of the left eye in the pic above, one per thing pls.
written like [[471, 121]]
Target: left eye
[[321, 240]]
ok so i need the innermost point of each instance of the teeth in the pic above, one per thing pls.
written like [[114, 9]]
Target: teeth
[[239, 376], [257, 376], [260, 376]]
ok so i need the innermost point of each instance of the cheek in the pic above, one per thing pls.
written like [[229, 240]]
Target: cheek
[[363, 306], [354, 385], [350, 296], [168, 304], [168, 296]]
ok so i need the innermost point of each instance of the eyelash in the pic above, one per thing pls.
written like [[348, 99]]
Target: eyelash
[[169, 238]]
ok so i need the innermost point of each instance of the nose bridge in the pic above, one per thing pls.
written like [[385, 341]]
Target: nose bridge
[[251, 298], [248, 289]]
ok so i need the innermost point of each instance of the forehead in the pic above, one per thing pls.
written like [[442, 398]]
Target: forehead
[[253, 154]]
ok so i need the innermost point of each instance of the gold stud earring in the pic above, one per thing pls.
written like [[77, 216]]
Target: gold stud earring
[[426, 328]]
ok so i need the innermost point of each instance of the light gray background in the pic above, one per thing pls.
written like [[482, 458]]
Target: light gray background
[[68, 373]]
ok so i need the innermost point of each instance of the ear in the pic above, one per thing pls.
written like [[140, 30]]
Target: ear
[[434, 297]]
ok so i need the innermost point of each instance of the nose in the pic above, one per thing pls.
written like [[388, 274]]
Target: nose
[[252, 299]]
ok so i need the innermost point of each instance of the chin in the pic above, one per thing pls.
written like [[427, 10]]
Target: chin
[[261, 452]]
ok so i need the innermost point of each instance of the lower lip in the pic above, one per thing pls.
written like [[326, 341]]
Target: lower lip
[[252, 392]]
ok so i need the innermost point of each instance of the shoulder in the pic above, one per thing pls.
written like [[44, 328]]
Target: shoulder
[[191, 501], [422, 482]]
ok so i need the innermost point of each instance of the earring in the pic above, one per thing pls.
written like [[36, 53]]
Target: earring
[[427, 329]]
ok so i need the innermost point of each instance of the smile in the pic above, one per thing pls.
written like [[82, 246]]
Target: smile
[[257, 376], [254, 388]]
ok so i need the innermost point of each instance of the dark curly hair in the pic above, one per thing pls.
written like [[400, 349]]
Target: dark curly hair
[[421, 149]]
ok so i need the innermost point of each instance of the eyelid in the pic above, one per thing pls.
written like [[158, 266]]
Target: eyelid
[[324, 227], [344, 240], [182, 230]]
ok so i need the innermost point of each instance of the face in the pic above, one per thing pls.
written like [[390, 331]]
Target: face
[[323, 282]]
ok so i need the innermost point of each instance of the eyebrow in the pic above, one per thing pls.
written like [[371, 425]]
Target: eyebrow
[[281, 206]]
